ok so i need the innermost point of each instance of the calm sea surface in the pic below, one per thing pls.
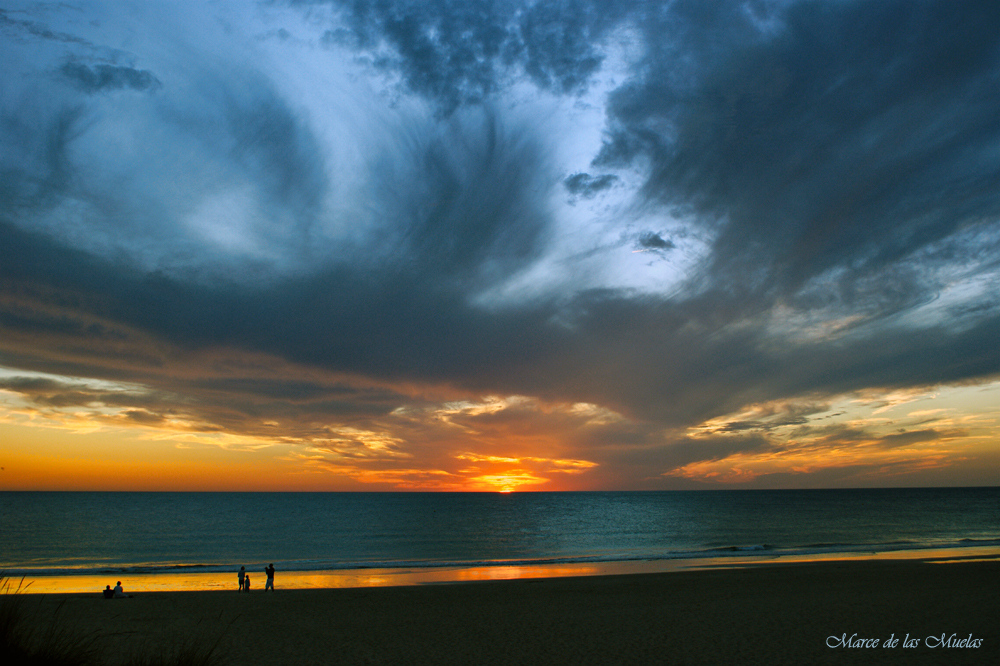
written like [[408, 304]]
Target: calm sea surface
[[90, 533]]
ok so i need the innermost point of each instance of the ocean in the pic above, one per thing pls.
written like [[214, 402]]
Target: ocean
[[183, 535]]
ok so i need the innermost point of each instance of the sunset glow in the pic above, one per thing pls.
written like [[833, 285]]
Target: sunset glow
[[297, 246], [896, 438]]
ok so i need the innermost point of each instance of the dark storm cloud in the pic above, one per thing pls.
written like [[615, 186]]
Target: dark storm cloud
[[409, 322], [559, 41], [465, 202], [241, 132], [229, 133], [275, 148], [34, 164], [460, 51], [108, 77], [588, 186], [36, 29], [397, 326], [845, 134], [653, 241], [449, 51]]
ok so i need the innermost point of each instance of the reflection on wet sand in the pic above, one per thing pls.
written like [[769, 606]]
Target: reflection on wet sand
[[433, 575]]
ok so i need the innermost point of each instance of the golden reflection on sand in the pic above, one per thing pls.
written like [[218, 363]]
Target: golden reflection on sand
[[139, 583], [136, 583]]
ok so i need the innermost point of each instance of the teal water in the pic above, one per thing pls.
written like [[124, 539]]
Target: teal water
[[49, 533]]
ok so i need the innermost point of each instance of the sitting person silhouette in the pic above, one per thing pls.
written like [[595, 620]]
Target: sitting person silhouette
[[109, 593], [119, 592]]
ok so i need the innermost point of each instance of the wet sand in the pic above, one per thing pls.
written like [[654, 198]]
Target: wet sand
[[770, 614]]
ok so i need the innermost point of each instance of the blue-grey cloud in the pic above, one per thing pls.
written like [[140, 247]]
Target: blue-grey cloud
[[585, 185], [457, 52], [836, 162], [108, 77], [653, 241], [831, 135], [19, 28]]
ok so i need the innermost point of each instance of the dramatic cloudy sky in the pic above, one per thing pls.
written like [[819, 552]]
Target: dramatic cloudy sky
[[476, 244]]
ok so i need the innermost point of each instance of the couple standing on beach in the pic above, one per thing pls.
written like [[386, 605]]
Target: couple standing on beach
[[245, 579]]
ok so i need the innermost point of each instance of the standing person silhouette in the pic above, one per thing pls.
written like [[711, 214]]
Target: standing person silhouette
[[246, 582], [269, 585], [242, 576]]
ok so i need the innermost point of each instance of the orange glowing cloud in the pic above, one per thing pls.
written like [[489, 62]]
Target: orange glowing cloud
[[894, 437], [63, 432]]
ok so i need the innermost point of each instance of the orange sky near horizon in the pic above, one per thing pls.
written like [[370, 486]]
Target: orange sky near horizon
[[933, 437]]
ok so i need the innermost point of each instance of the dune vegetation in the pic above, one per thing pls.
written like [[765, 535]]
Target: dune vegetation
[[27, 639]]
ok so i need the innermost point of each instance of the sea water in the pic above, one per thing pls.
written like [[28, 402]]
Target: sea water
[[162, 534]]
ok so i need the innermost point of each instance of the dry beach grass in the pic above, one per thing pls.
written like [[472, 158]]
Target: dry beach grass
[[771, 614]]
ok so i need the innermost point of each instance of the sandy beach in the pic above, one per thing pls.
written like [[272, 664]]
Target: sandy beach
[[772, 614]]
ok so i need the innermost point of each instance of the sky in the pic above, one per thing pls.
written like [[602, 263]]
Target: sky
[[499, 245]]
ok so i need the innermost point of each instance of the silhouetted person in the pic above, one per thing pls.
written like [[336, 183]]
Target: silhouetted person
[[242, 576], [119, 592], [109, 593], [246, 583], [269, 585]]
